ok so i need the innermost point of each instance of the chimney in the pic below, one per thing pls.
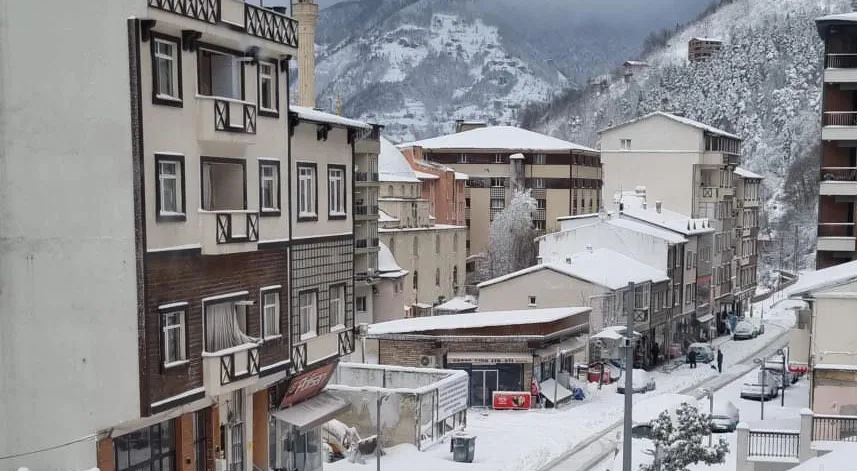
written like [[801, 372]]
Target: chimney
[[658, 206], [516, 172], [306, 12]]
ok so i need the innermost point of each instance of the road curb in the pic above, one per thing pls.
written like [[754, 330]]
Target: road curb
[[601, 434]]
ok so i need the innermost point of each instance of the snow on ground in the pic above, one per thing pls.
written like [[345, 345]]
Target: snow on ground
[[528, 440]]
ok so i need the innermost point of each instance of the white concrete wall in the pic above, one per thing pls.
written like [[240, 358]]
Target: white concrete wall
[[550, 288], [834, 326], [642, 247], [68, 320], [663, 165]]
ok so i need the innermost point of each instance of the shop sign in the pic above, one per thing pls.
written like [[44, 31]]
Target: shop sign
[[308, 384], [511, 400], [452, 397]]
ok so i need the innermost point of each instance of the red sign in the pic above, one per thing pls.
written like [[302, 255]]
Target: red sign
[[308, 384], [514, 400]]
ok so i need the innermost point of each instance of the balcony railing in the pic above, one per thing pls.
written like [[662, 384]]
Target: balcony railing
[[366, 177], [230, 369], [235, 227], [271, 25], [366, 210], [202, 10], [774, 444], [839, 174], [361, 243], [709, 192], [373, 134], [836, 229], [841, 61], [373, 242], [234, 116], [840, 118], [834, 427]]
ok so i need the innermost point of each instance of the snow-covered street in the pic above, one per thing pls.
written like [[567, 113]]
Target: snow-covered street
[[537, 439]]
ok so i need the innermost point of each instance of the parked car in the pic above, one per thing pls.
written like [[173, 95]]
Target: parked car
[[744, 331], [704, 352], [647, 411], [725, 417], [641, 381], [758, 392]]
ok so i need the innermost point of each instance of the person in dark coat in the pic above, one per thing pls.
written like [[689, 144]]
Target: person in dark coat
[[719, 361], [691, 358], [656, 351]]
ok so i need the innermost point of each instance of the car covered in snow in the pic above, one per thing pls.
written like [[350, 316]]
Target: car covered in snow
[[725, 417], [704, 353], [744, 330], [647, 411], [763, 392], [641, 381]]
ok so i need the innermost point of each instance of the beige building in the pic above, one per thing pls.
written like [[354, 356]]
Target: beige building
[[688, 166], [432, 254], [748, 199], [701, 49], [565, 178]]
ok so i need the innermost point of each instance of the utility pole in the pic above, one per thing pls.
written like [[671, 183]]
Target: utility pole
[[629, 378]]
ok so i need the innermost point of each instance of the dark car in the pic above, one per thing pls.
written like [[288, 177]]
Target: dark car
[[704, 352]]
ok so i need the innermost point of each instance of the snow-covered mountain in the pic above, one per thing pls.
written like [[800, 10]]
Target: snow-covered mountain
[[763, 86], [417, 65]]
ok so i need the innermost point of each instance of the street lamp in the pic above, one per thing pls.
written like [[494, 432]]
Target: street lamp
[[707, 392], [761, 363]]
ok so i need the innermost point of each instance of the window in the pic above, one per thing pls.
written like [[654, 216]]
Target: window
[[336, 306], [336, 192], [455, 277], [174, 335], [455, 242], [538, 183], [466, 202], [415, 280], [539, 159], [437, 276], [541, 204], [166, 76], [223, 182], [676, 295], [498, 159], [416, 247], [437, 243], [170, 199], [539, 225], [307, 192], [532, 301], [269, 188], [270, 312], [360, 303], [152, 448], [220, 75], [268, 90], [308, 313], [497, 203], [462, 158], [201, 425], [497, 182], [625, 144], [688, 294], [390, 190]]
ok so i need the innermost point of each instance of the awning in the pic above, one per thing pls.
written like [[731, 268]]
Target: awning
[[705, 318], [312, 412], [567, 346], [487, 358]]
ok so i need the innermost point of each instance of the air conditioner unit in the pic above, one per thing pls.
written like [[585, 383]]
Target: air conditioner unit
[[428, 361]]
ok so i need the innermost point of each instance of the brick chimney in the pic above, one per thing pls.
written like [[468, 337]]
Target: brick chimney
[[306, 12]]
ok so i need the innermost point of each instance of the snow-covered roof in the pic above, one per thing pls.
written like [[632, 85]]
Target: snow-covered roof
[[385, 217], [475, 320], [456, 304], [500, 138], [678, 119], [461, 176], [602, 267], [744, 173], [716, 40], [830, 20], [834, 367], [636, 63], [318, 116], [842, 455], [386, 260], [823, 279], [393, 166], [667, 235], [633, 207], [425, 176]]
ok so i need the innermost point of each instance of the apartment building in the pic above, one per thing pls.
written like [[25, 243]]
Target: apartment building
[[432, 254], [838, 189], [748, 199], [212, 286], [565, 178], [689, 167], [443, 187], [701, 49]]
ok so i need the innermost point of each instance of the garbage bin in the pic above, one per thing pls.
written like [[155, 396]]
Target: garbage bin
[[463, 448]]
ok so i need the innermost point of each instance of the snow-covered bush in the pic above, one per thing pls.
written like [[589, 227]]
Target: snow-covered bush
[[511, 242], [682, 441]]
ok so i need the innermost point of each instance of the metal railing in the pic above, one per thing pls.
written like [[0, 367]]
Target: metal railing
[[841, 61], [840, 118], [268, 24], [366, 210], [778, 444], [839, 174], [836, 229], [366, 176], [202, 10], [834, 427]]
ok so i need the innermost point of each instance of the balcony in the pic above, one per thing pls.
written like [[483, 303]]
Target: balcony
[[720, 158], [365, 212], [364, 245], [840, 68], [202, 10], [225, 120], [836, 237], [268, 24], [838, 181], [225, 232], [839, 125], [322, 347], [709, 194], [366, 178], [230, 369], [368, 141]]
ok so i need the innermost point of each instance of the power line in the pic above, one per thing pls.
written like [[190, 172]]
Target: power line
[[50, 448]]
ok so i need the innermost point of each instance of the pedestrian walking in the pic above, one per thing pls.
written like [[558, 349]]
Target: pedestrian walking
[[719, 361], [691, 358]]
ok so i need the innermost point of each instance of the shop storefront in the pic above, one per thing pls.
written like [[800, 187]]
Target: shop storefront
[[294, 428], [491, 372]]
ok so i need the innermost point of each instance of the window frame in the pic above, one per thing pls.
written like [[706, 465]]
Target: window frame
[[307, 216], [160, 215], [264, 292], [342, 309], [157, 97], [343, 196], [182, 309], [155, 455], [274, 77], [223, 51], [531, 301], [539, 159], [624, 144], [308, 333], [278, 198]]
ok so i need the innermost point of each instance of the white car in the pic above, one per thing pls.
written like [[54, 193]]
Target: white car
[[757, 391], [744, 331], [725, 417], [641, 381]]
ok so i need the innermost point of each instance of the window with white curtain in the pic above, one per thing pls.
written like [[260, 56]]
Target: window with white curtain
[[225, 324], [306, 191], [336, 191], [271, 313], [307, 309], [269, 175], [336, 307], [175, 350]]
